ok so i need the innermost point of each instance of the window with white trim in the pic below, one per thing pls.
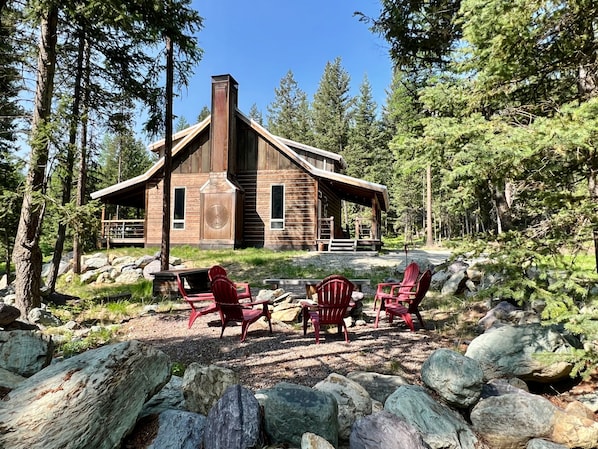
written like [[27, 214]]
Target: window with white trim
[[178, 218], [277, 206]]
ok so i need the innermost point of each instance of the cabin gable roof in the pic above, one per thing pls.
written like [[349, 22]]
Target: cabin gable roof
[[132, 192]]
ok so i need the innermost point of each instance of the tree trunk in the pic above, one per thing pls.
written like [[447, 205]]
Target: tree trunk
[[165, 247], [67, 177], [27, 254], [593, 188], [82, 171], [429, 229], [503, 211]]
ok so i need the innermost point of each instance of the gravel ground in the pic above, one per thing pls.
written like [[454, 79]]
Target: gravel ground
[[263, 360]]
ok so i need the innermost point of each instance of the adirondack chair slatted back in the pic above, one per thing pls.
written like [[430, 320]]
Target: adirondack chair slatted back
[[216, 270], [334, 295], [225, 294], [409, 282]]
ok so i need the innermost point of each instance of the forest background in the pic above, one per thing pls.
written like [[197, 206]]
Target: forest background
[[488, 134]]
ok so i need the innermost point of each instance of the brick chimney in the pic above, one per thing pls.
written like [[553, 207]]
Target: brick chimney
[[222, 127]]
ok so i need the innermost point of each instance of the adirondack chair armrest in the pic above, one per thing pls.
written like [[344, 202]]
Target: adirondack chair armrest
[[394, 291]]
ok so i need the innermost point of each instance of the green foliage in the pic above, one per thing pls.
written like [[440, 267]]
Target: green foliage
[[72, 345], [178, 369], [529, 272], [289, 115], [331, 108]]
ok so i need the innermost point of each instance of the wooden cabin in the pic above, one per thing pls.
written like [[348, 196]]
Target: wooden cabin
[[234, 185]]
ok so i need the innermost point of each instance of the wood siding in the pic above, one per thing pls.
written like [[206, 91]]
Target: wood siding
[[260, 166], [330, 206], [195, 158], [190, 234]]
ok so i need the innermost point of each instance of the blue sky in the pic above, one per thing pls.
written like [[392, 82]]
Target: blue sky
[[259, 41]]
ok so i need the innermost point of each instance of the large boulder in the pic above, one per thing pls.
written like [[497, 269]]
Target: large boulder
[[8, 314], [204, 385], [234, 421], [179, 429], [352, 399], [379, 386], [291, 410], [440, 426], [25, 352], [456, 378], [510, 351], [88, 401], [170, 397], [511, 420], [385, 430]]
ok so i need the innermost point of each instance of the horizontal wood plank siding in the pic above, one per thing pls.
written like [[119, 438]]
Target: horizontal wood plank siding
[[189, 235], [300, 218]]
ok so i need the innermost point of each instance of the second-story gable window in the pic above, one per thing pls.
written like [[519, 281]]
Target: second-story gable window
[[178, 221], [277, 207]]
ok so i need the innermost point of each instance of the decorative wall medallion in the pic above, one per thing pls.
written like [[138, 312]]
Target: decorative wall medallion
[[217, 216]]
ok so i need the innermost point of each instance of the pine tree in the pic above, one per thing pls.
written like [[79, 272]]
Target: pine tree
[[205, 112], [331, 109], [255, 114], [288, 114]]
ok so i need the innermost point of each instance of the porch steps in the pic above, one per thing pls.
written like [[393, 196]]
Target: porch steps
[[342, 245]]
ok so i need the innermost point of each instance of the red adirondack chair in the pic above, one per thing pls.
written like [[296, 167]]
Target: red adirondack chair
[[390, 290], [227, 302], [200, 303], [334, 298], [404, 306], [243, 289]]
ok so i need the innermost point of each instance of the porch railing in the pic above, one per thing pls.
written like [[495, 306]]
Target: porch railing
[[123, 231]]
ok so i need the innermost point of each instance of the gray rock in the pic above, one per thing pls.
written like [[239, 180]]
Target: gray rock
[[497, 387], [352, 399], [511, 420], [204, 385], [94, 262], [454, 284], [379, 386], [234, 421], [153, 267], [123, 261], [440, 426], [43, 318], [291, 410], [509, 351], [129, 277], [385, 430], [10, 380], [88, 401], [25, 352], [500, 312], [456, 378], [8, 314], [312, 441], [144, 260], [179, 429], [170, 397], [538, 443]]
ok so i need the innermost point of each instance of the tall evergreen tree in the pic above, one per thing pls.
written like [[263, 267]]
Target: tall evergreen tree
[[288, 114], [255, 114], [367, 154], [205, 112], [331, 108]]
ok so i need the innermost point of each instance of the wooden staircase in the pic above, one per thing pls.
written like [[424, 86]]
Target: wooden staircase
[[342, 245]]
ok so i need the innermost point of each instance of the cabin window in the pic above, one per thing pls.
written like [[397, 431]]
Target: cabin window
[[178, 221], [277, 207]]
